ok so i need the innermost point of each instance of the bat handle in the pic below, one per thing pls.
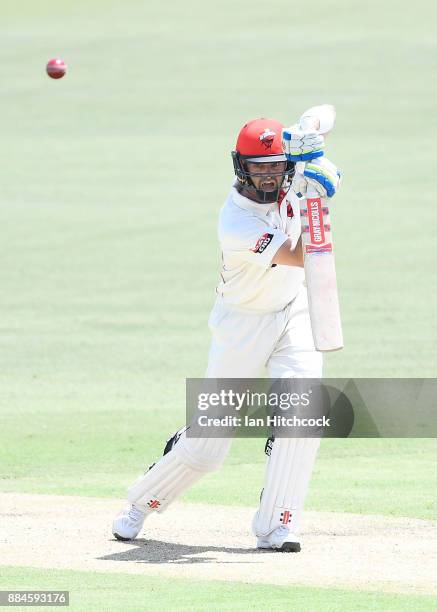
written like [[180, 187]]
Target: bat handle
[[311, 191], [300, 167]]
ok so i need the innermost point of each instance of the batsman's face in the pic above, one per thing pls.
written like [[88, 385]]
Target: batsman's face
[[267, 176]]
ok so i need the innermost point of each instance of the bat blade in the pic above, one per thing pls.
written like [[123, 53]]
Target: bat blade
[[320, 273]]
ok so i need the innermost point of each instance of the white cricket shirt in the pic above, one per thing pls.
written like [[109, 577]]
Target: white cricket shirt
[[250, 235]]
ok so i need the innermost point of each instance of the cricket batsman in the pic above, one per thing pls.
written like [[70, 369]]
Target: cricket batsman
[[260, 322]]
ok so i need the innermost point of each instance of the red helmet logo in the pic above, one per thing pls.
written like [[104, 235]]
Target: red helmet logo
[[267, 138]]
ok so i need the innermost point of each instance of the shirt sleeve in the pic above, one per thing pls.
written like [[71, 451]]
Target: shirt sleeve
[[250, 239]]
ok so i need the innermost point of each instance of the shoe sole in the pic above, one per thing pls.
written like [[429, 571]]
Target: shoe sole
[[287, 547], [293, 547], [119, 537]]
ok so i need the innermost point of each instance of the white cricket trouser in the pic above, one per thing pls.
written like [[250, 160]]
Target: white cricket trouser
[[245, 345]]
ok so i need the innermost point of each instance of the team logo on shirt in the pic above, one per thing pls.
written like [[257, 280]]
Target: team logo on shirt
[[267, 138], [262, 243]]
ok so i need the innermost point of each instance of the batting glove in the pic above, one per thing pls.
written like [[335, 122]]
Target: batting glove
[[321, 174], [301, 145]]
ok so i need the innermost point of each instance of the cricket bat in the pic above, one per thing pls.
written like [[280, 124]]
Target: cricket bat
[[318, 250]]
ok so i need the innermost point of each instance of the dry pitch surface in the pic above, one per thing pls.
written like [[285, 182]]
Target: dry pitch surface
[[214, 542]]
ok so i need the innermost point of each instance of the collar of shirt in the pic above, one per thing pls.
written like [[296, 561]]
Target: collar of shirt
[[246, 203]]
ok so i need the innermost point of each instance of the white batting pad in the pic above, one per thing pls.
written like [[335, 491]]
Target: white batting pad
[[287, 477], [176, 471]]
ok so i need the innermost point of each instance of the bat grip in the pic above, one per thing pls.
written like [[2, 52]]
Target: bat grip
[[311, 191]]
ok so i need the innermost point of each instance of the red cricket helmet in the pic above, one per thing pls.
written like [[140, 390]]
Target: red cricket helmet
[[261, 138], [259, 141]]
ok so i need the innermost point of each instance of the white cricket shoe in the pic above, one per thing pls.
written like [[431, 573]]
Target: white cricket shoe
[[280, 540], [129, 522]]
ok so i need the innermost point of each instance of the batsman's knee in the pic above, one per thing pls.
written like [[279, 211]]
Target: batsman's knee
[[203, 454]]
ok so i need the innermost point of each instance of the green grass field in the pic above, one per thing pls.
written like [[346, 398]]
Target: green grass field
[[96, 591], [110, 184]]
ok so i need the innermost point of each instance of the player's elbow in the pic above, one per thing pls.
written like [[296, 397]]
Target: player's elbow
[[287, 255]]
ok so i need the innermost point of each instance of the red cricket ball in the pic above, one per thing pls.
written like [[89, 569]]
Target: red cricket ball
[[56, 68]]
